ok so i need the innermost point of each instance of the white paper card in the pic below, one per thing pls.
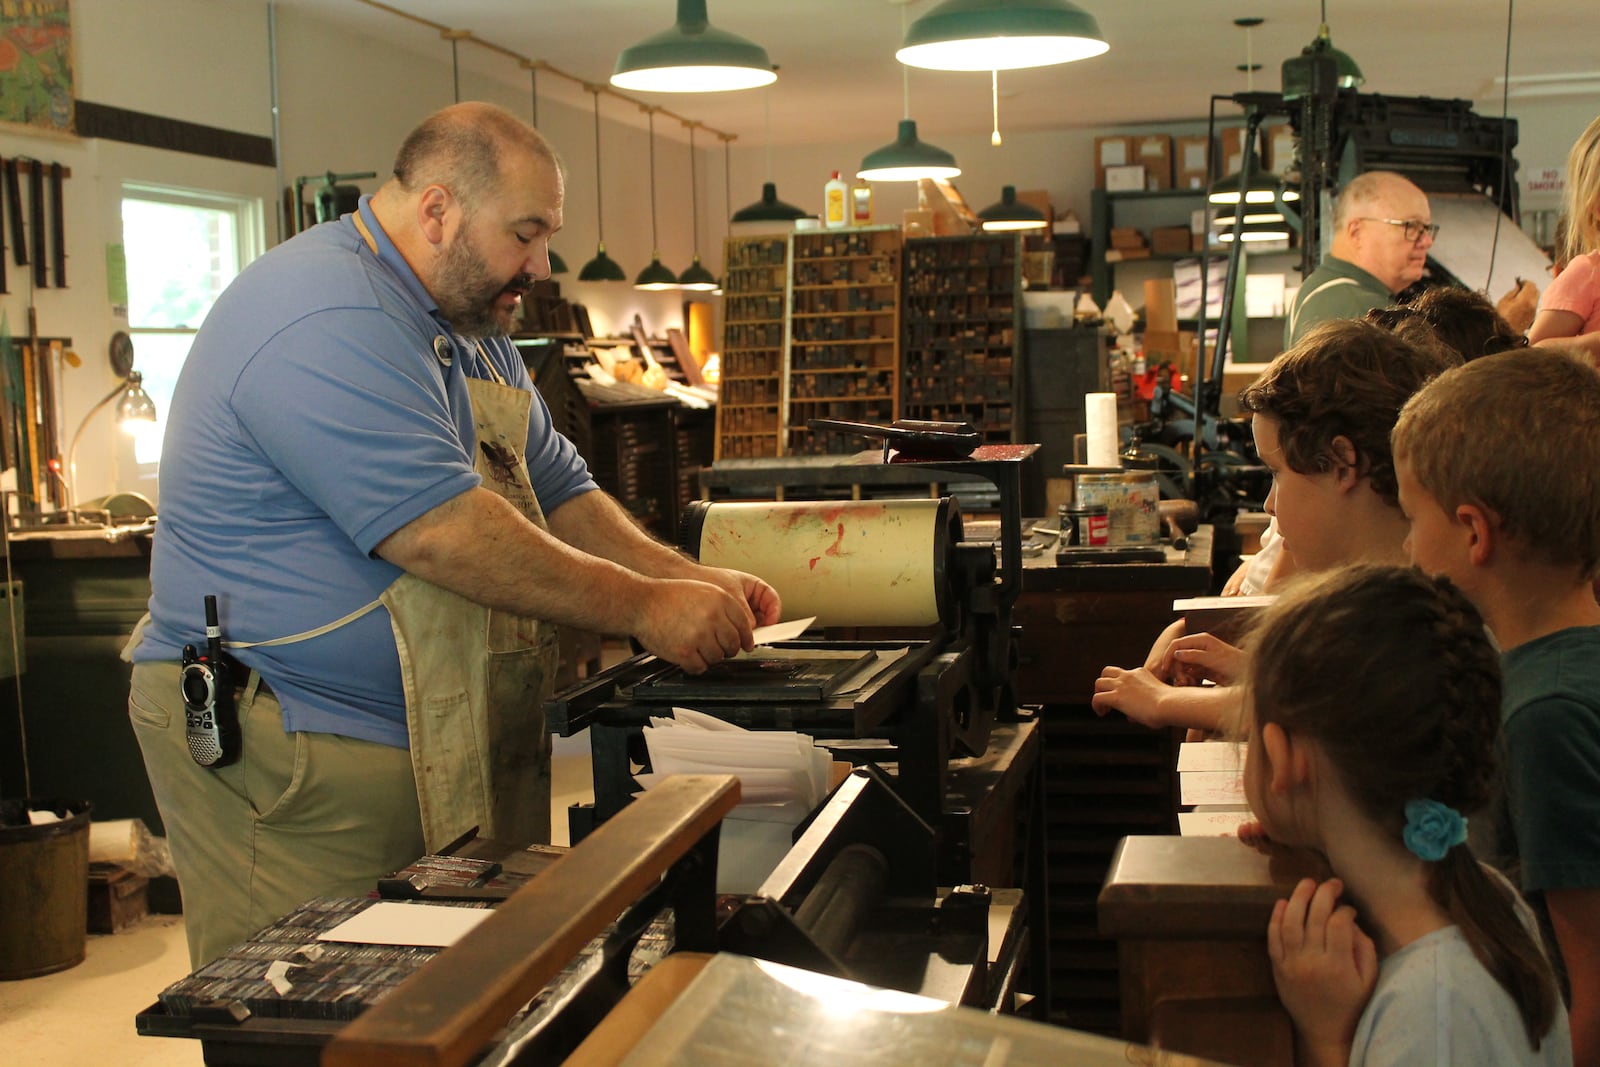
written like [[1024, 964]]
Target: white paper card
[[1113, 153], [783, 631], [1211, 787], [1211, 756], [392, 923], [1211, 823]]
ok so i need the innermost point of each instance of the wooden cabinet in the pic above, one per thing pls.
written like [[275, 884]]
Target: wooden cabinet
[[749, 404], [961, 329], [844, 333]]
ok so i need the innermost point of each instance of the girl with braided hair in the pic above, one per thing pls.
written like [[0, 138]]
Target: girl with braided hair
[[1374, 702]]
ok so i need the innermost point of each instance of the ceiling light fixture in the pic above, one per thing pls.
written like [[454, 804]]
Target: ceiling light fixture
[[693, 57], [1001, 35], [697, 277], [1012, 214], [1262, 188], [655, 276], [602, 268], [907, 158], [769, 208], [557, 264]]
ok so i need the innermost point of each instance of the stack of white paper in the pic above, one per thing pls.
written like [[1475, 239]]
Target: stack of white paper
[[1210, 779], [783, 776]]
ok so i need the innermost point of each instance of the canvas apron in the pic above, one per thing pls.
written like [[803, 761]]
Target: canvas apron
[[475, 680]]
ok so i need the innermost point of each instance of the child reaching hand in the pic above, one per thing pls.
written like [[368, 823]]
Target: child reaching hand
[[1373, 695]]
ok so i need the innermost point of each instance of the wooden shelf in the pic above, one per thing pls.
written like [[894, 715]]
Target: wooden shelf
[[755, 270], [956, 345]]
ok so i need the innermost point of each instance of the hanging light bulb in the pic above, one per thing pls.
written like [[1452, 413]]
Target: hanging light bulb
[[907, 158], [1001, 35], [655, 276], [602, 268], [693, 57], [994, 97]]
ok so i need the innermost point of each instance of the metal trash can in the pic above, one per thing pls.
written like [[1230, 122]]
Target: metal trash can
[[44, 887]]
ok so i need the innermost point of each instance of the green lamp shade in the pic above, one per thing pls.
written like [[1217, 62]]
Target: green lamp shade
[[1001, 35], [656, 276], [602, 268], [693, 57], [907, 159], [557, 264], [1011, 214], [769, 208], [698, 278]]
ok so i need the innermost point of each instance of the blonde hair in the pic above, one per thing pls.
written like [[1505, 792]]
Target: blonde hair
[[1581, 204], [1517, 434]]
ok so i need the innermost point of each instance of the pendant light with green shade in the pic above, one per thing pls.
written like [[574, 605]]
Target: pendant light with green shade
[[602, 268], [693, 57]]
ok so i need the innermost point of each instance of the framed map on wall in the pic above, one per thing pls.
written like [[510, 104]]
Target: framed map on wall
[[36, 91]]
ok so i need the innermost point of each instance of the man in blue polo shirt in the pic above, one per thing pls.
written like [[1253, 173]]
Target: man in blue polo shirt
[[1382, 230], [357, 467]]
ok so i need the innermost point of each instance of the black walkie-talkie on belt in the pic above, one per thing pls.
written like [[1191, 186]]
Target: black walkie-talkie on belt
[[211, 720]]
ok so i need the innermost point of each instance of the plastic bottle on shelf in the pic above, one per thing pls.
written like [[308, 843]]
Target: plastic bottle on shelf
[[835, 203], [861, 203]]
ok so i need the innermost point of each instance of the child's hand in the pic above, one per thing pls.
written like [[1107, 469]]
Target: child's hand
[[1202, 657], [1324, 966], [1155, 661], [1136, 693], [1254, 834]]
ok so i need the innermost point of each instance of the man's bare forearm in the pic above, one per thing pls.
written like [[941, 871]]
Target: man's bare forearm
[[479, 546]]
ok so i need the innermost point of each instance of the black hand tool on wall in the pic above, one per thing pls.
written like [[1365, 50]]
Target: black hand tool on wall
[[41, 274], [58, 224], [19, 241]]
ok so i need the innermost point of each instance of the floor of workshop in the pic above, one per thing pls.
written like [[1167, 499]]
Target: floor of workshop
[[86, 1014]]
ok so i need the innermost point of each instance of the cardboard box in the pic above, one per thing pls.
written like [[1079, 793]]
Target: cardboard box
[[1154, 152], [1126, 237], [1279, 152], [1170, 240], [1125, 179], [1111, 152], [1039, 198], [1160, 305], [1191, 159]]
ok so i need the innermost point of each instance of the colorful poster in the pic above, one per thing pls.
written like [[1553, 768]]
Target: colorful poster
[[36, 65]]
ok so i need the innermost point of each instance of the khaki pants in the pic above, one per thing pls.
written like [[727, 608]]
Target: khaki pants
[[298, 815]]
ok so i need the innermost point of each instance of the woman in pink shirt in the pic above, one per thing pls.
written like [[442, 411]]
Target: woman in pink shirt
[[1569, 311]]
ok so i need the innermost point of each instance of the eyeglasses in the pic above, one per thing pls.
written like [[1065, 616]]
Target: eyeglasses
[[1414, 228]]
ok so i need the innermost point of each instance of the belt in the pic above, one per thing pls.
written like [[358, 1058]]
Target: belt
[[241, 674]]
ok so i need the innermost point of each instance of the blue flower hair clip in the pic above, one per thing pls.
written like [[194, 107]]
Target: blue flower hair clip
[[1433, 829]]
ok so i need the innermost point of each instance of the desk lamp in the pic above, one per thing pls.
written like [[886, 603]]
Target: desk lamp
[[134, 408]]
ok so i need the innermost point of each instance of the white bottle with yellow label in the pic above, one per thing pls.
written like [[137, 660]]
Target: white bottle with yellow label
[[835, 203]]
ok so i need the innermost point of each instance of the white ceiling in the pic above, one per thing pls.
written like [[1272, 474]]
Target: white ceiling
[[838, 79]]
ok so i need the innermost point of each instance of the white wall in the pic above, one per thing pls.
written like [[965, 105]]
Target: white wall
[[346, 102]]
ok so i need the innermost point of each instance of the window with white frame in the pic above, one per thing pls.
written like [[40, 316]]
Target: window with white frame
[[183, 247]]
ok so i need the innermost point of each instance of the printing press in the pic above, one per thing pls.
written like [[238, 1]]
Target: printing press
[[925, 672], [905, 879]]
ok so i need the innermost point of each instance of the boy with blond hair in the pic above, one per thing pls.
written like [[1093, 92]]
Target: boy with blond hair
[[1498, 464]]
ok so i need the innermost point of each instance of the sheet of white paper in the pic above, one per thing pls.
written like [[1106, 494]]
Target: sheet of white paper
[[391, 923], [783, 631], [1211, 756], [1211, 787], [1211, 823]]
